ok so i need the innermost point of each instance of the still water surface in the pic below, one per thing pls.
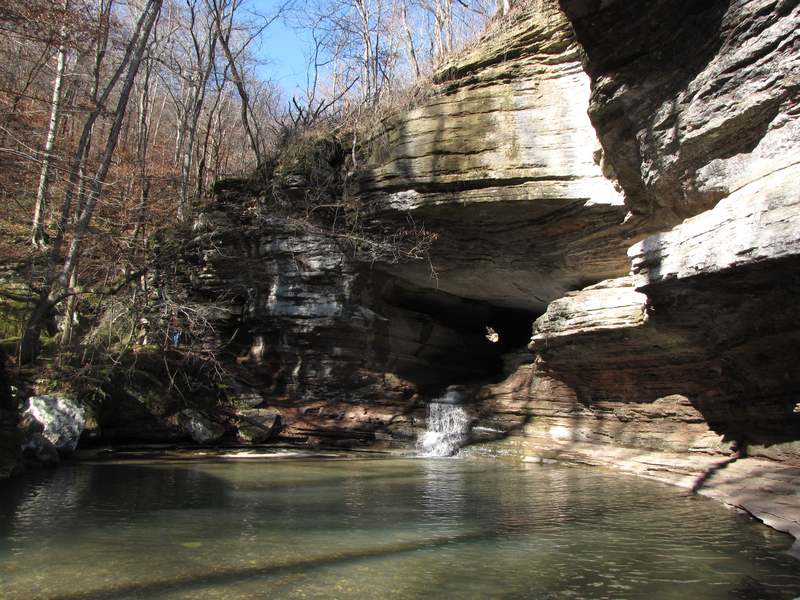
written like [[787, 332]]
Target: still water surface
[[374, 528]]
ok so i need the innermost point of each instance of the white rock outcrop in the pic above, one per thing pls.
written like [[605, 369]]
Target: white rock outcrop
[[62, 418]]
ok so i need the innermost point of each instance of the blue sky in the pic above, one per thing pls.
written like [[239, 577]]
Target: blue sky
[[282, 51]]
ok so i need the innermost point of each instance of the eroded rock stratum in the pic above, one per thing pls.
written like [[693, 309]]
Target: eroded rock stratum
[[503, 164], [614, 187], [690, 365]]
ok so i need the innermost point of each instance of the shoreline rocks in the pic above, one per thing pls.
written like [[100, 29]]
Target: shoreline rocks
[[202, 430], [63, 420]]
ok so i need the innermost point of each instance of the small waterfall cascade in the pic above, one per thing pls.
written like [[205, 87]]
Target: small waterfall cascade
[[448, 427]]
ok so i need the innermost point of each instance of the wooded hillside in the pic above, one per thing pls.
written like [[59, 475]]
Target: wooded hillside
[[118, 117]]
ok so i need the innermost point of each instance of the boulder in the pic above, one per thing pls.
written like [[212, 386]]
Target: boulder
[[30, 424], [63, 420], [201, 429], [256, 425], [242, 396], [42, 450]]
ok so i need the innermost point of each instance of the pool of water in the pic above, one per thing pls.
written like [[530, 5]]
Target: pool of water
[[288, 528]]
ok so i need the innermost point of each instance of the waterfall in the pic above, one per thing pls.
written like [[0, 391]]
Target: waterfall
[[448, 427]]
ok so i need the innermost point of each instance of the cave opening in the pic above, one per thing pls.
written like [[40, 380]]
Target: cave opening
[[481, 333]]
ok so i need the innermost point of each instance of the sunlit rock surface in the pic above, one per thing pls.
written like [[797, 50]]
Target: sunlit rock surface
[[611, 305], [687, 371], [757, 224], [630, 302], [504, 165], [63, 420], [689, 97], [651, 331]]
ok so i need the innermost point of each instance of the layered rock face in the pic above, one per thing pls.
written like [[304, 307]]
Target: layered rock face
[[690, 99], [615, 187], [313, 332], [503, 164], [661, 260], [709, 319], [690, 364]]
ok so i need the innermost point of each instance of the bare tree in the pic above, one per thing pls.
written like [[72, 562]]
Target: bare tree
[[37, 230], [369, 46], [409, 39], [223, 13], [100, 48], [201, 112], [55, 291], [443, 33], [352, 44], [200, 56]]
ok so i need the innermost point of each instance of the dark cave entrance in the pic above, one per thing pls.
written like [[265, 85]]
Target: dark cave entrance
[[481, 333]]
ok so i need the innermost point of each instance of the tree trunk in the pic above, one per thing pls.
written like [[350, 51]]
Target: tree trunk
[[410, 41], [205, 50], [37, 229], [69, 313], [193, 118], [102, 45]]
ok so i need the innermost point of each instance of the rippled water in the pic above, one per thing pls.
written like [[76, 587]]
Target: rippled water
[[375, 528]]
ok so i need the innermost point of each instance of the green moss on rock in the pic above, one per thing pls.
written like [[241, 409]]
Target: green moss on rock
[[147, 389]]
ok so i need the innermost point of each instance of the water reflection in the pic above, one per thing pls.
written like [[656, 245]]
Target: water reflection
[[64, 497], [375, 529], [443, 498]]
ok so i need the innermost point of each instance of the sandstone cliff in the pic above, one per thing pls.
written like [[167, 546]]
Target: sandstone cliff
[[690, 365], [630, 188], [627, 178], [503, 164]]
